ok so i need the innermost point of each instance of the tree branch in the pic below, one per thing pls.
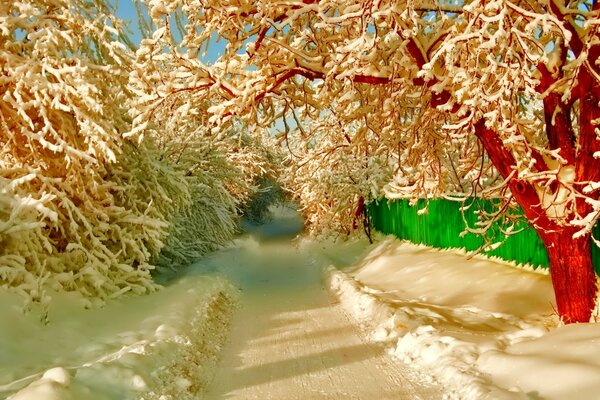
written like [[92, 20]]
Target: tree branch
[[575, 41], [523, 191]]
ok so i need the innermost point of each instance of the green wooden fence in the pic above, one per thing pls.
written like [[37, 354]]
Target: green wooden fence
[[443, 223]]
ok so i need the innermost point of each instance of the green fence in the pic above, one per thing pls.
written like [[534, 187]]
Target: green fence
[[444, 221]]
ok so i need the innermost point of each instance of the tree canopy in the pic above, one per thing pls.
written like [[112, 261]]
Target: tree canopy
[[440, 88], [112, 154]]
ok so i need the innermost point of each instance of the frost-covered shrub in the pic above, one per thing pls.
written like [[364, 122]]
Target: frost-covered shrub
[[81, 208], [219, 168], [208, 219], [155, 192]]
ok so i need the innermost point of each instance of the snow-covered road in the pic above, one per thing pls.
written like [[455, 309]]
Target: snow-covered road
[[482, 329], [291, 341]]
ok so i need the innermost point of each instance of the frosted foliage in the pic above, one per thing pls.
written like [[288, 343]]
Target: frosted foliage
[[509, 66], [332, 174], [219, 170], [81, 209], [442, 84]]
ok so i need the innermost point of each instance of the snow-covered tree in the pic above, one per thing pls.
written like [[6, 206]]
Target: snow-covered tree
[[81, 208], [87, 203], [516, 80], [334, 170], [219, 170]]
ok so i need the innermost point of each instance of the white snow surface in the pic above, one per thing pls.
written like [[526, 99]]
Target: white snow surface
[[482, 329], [160, 346], [290, 341], [295, 344]]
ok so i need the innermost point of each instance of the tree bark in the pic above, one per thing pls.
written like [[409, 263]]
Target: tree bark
[[573, 275]]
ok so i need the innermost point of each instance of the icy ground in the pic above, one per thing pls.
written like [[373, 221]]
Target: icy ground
[[289, 341]]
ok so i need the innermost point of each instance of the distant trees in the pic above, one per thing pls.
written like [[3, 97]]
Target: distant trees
[[331, 167], [443, 89]]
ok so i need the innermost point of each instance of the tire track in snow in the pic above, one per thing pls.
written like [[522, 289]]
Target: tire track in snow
[[290, 341]]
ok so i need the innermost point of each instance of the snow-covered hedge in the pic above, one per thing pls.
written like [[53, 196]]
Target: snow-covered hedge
[[82, 208], [87, 203], [220, 170]]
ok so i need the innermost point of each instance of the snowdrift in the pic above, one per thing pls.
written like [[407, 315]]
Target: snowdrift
[[161, 346], [483, 329]]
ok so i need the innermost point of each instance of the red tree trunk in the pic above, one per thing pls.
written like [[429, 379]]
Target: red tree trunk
[[573, 275]]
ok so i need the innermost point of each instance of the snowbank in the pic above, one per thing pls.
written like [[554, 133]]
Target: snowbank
[[483, 329], [563, 364], [161, 346]]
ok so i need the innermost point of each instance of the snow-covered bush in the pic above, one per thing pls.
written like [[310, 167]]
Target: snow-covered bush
[[208, 219], [219, 184], [218, 168], [81, 208]]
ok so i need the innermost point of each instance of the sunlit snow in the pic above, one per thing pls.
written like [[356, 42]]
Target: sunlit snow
[[477, 328], [483, 329]]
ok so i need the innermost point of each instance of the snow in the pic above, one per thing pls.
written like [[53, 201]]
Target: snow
[[452, 280], [482, 329], [289, 340], [162, 345], [563, 364], [478, 328]]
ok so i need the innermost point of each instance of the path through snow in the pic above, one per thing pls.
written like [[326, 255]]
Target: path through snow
[[289, 341]]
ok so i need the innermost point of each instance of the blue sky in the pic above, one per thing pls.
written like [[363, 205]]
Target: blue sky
[[127, 12]]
